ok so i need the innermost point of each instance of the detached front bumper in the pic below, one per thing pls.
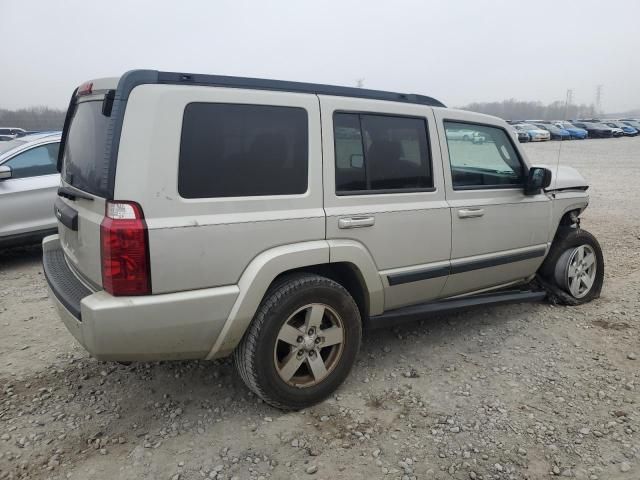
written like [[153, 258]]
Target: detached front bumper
[[181, 325]]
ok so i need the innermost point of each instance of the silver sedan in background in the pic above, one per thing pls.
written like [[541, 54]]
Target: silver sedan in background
[[28, 187]]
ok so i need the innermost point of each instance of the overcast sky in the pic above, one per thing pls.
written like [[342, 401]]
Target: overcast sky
[[457, 51]]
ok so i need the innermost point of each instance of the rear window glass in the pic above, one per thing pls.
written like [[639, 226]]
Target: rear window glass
[[85, 165], [233, 150]]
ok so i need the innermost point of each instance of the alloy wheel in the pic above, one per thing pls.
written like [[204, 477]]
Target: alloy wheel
[[309, 345], [576, 270]]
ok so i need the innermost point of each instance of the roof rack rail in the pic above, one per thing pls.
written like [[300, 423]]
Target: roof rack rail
[[138, 77]]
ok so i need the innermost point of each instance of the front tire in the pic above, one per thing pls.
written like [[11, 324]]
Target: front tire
[[575, 266], [302, 342]]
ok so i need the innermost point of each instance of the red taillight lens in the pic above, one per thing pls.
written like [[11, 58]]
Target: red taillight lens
[[85, 89], [125, 250]]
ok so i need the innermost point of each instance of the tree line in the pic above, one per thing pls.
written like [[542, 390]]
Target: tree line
[[520, 110], [34, 118]]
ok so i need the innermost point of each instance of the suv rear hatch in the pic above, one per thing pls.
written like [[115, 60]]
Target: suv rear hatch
[[87, 177]]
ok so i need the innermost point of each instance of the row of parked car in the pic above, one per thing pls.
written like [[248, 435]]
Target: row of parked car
[[544, 130]]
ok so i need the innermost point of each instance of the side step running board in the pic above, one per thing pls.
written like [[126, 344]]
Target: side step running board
[[423, 310]]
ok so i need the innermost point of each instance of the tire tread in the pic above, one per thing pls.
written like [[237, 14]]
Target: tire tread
[[245, 354], [569, 237]]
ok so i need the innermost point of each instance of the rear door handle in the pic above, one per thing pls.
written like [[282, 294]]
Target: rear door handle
[[470, 212], [356, 222]]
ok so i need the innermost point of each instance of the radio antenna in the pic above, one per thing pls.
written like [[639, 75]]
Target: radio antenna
[[567, 104]]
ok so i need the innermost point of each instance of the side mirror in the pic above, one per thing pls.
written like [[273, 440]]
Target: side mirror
[[537, 179], [5, 172]]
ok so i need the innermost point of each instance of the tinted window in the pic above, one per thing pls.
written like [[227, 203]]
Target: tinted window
[[34, 162], [229, 150], [485, 159], [381, 152], [85, 164]]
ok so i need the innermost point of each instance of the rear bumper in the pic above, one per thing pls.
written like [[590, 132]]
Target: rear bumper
[[171, 326]]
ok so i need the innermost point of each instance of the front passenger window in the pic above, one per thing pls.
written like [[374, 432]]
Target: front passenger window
[[482, 157], [35, 162]]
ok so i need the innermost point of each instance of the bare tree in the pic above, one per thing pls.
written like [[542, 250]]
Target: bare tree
[[518, 110], [34, 118]]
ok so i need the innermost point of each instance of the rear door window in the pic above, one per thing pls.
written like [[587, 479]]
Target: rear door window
[[381, 153], [35, 162], [85, 164], [237, 150]]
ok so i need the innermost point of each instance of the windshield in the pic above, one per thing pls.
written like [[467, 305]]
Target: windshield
[[528, 126], [11, 144], [84, 155]]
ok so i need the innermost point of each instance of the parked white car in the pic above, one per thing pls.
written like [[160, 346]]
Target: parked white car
[[12, 131], [28, 184], [203, 216], [535, 133]]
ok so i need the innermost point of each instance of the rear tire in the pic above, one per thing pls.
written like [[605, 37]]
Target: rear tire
[[574, 266], [302, 342]]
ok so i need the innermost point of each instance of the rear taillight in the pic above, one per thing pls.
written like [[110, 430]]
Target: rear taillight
[[125, 250], [85, 89]]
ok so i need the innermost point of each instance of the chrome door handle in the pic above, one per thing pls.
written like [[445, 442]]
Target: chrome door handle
[[470, 212], [356, 222]]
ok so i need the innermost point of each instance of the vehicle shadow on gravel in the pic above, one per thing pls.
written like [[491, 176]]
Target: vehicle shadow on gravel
[[18, 257]]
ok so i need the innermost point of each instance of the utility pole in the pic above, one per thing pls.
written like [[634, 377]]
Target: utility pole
[[360, 82], [568, 102], [599, 89]]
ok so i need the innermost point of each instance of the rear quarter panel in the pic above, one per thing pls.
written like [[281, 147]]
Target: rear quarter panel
[[199, 243]]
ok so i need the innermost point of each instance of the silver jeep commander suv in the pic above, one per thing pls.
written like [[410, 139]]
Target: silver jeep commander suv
[[204, 216]]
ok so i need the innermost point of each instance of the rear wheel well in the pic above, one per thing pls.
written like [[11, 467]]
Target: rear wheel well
[[344, 273]]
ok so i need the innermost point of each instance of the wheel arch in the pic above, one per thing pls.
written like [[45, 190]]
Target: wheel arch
[[566, 210], [358, 275]]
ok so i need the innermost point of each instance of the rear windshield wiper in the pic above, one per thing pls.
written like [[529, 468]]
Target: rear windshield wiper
[[71, 194]]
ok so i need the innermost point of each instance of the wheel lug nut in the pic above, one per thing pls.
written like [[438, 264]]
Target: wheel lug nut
[[310, 332], [300, 339], [318, 340]]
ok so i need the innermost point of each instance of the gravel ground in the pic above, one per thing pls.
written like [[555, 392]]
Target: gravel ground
[[511, 392]]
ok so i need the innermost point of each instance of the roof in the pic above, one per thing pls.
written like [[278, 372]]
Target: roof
[[25, 141], [134, 78]]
